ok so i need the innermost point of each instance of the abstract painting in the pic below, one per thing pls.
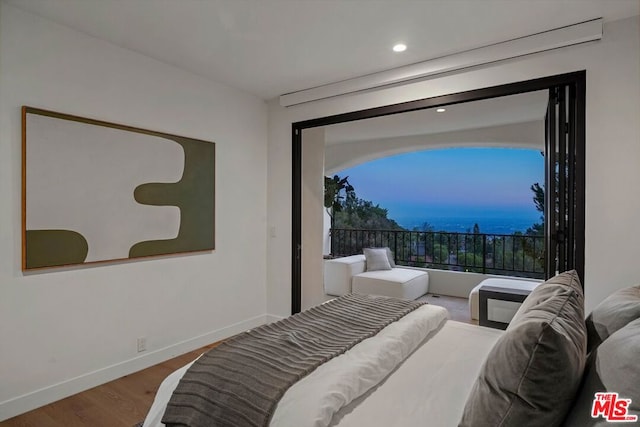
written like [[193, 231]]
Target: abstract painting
[[94, 191]]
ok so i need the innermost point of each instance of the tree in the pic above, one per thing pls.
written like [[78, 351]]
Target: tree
[[333, 188], [537, 229], [357, 213], [535, 255], [425, 227], [538, 197], [349, 212]]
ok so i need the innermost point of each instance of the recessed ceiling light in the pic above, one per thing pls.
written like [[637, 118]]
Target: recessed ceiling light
[[400, 47], [441, 110]]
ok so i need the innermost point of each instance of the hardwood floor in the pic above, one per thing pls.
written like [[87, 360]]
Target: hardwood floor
[[120, 403]]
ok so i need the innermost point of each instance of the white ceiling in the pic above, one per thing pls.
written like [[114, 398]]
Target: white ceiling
[[272, 47], [521, 108]]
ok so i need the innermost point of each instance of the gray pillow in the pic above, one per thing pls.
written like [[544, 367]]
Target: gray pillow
[[613, 313], [376, 259], [534, 369], [613, 367]]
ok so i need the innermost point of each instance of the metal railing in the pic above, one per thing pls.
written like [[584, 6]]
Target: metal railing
[[502, 254]]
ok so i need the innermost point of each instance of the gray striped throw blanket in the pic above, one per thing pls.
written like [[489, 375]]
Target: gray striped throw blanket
[[240, 382]]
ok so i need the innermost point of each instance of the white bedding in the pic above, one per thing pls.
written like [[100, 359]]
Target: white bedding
[[429, 386], [314, 400]]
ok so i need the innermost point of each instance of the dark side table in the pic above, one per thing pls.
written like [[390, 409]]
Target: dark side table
[[501, 294]]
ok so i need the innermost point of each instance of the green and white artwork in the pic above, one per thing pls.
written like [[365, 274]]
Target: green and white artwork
[[96, 191]]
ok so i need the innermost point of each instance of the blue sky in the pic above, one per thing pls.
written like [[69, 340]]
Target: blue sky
[[455, 182]]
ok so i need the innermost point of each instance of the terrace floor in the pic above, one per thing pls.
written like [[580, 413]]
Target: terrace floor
[[458, 307]]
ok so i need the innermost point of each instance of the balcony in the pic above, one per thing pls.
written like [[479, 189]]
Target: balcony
[[516, 255]]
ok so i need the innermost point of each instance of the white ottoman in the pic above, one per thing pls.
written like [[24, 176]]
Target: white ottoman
[[403, 283], [526, 285], [338, 273]]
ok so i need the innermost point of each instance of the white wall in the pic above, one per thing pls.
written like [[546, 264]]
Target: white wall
[[68, 329], [313, 214], [613, 151], [326, 241]]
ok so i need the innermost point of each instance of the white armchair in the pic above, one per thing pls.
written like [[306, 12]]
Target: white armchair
[[349, 274]]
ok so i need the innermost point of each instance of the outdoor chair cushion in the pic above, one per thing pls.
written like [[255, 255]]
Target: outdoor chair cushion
[[507, 283], [403, 283]]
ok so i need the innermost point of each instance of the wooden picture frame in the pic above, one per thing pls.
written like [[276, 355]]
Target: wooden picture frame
[[94, 191]]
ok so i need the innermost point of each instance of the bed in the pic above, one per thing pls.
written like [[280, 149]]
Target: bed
[[432, 371]]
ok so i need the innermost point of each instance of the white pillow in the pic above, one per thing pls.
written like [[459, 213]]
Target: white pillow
[[377, 259], [390, 257]]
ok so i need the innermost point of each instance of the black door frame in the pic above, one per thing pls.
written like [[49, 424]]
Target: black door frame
[[560, 180], [575, 80]]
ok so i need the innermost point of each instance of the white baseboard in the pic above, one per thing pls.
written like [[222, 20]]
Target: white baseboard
[[27, 402], [273, 318]]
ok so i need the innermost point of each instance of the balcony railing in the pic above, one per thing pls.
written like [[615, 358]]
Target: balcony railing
[[501, 254]]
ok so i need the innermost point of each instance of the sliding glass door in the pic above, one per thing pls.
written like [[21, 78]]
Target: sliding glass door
[[564, 166], [564, 180]]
